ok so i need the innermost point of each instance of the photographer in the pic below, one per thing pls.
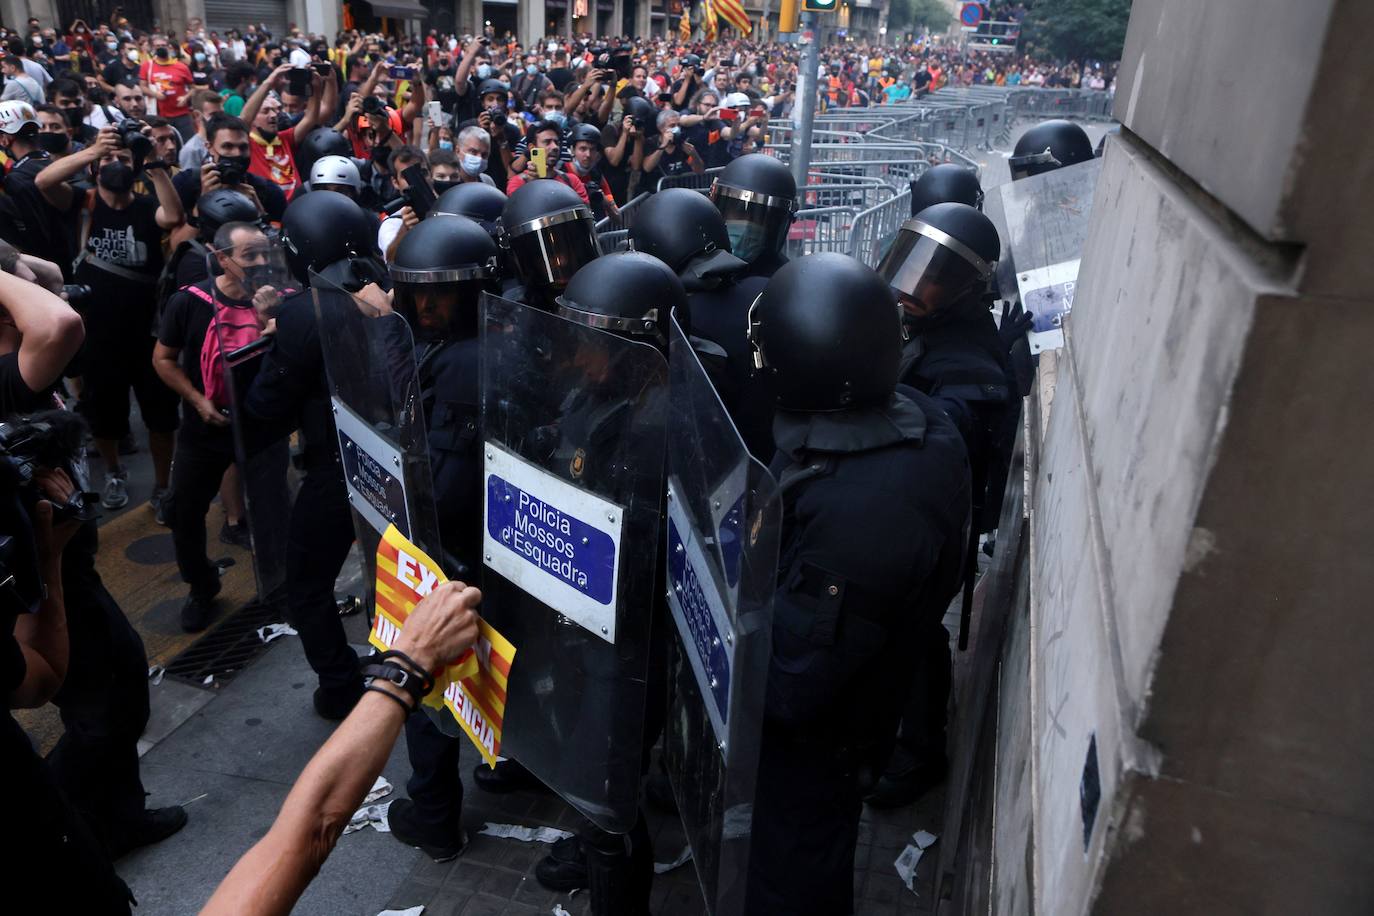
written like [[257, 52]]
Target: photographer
[[226, 166], [395, 226], [492, 117], [273, 148], [674, 155], [27, 220], [121, 257]]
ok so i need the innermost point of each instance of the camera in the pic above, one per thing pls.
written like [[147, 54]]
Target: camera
[[49, 439], [374, 106], [132, 138], [498, 115], [231, 171], [75, 292]]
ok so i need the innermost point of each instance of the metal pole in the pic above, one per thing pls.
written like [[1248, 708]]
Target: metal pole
[[804, 109]]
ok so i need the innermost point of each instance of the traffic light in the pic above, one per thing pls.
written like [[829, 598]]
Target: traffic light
[[787, 16], [820, 6]]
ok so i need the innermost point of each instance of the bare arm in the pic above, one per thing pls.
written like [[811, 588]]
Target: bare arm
[[51, 330], [52, 180], [271, 876], [169, 370], [370, 83], [415, 103], [170, 214], [460, 79], [42, 637], [350, 116], [607, 103], [311, 117]]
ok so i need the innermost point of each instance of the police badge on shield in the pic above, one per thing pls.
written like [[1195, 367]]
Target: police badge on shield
[[1047, 292]]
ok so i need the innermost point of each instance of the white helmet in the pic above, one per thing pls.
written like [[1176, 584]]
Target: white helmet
[[335, 170], [735, 100]]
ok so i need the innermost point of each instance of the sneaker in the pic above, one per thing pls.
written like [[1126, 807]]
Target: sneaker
[[564, 868], [335, 703], [159, 502], [236, 535], [154, 826], [405, 826], [116, 492], [197, 612]]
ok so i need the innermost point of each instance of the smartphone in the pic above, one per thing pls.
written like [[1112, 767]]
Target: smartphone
[[402, 73], [324, 68], [419, 194], [758, 112], [539, 160], [729, 114], [298, 81], [435, 112]]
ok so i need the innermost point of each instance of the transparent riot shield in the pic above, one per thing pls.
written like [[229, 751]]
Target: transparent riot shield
[[372, 364], [573, 424], [1043, 221], [254, 282], [724, 520]]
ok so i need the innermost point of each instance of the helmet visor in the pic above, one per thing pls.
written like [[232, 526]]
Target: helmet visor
[[552, 254], [925, 275], [436, 311], [755, 228], [1033, 164]]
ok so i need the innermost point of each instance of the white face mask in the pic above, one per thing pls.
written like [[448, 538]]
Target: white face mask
[[474, 165], [132, 54]]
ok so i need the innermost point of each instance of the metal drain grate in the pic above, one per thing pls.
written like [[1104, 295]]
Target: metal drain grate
[[228, 648]]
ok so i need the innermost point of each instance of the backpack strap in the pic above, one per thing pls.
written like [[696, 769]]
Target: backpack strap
[[198, 293]]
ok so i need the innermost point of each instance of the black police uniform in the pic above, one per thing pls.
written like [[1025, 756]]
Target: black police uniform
[[290, 390], [874, 507]]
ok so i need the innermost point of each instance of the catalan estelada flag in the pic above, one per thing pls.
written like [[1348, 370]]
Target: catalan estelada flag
[[709, 19], [472, 688], [733, 12], [684, 26]]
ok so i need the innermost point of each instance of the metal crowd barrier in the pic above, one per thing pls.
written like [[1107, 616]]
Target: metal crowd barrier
[[691, 180], [872, 231]]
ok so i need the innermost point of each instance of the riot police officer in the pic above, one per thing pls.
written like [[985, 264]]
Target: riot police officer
[[939, 268], [326, 233], [757, 196], [1047, 146], [321, 142], [476, 200], [685, 231], [874, 485], [946, 183], [629, 294], [550, 233], [440, 271]]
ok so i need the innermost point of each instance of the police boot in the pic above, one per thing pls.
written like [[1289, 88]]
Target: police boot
[[906, 781], [507, 776], [620, 870]]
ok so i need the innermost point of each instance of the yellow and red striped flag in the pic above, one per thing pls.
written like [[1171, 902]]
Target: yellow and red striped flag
[[472, 687], [733, 12], [712, 30], [684, 27]]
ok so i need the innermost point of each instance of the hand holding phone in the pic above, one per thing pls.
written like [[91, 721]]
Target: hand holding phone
[[539, 160]]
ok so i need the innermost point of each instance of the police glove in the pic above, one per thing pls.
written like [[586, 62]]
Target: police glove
[[1016, 321]]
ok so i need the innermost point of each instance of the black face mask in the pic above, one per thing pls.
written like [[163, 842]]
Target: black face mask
[[162, 53], [116, 177], [73, 116], [442, 184], [54, 143]]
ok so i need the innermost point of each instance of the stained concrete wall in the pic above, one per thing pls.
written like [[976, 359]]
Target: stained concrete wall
[[1200, 512]]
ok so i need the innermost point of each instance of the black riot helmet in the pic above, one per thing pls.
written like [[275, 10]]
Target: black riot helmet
[[476, 200], [439, 273], [222, 206], [628, 293], [643, 111], [757, 195], [489, 86], [585, 133], [550, 233], [321, 142], [828, 331], [1047, 146], [946, 183], [325, 229], [941, 255], [676, 225]]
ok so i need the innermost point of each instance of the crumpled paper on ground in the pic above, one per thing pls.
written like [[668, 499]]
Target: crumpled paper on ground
[[524, 834], [413, 911], [273, 630], [661, 868], [156, 674], [372, 814], [911, 856], [559, 911]]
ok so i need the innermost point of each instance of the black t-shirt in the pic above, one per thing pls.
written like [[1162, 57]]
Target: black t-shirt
[[33, 225], [186, 319], [674, 161], [705, 136], [187, 185], [922, 78], [560, 77], [15, 395], [117, 72], [617, 176], [129, 238]]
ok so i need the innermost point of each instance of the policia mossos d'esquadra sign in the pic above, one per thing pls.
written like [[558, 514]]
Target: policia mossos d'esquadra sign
[[573, 431], [724, 523]]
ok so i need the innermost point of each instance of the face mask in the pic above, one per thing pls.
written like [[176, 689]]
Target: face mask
[[54, 143], [445, 144], [200, 58], [132, 54], [112, 46], [443, 184], [531, 69], [483, 71], [556, 117], [746, 240], [116, 177], [581, 169], [474, 165], [73, 116]]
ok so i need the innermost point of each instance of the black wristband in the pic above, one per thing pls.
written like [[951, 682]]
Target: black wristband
[[407, 710], [425, 677]]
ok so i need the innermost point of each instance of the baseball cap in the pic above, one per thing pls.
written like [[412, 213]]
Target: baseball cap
[[15, 116]]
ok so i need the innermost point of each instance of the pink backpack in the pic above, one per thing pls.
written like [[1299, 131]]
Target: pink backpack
[[230, 329]]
